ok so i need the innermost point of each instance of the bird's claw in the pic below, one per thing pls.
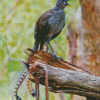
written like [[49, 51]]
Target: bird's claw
[[54, 56]]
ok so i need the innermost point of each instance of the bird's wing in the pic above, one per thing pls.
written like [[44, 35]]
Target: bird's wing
[[56, 22], [42, 23], [55, 35]]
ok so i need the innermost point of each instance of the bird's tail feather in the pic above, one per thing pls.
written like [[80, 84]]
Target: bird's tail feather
[[39, 45], [42, 45], [36, 45]]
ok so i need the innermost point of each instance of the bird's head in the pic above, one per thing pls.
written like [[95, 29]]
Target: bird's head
[[62, 3]]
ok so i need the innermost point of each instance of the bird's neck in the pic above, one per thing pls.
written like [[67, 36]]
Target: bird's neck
[[57, 7]]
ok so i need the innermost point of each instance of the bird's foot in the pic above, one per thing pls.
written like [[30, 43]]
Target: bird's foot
[[18, 98], [54, 56]]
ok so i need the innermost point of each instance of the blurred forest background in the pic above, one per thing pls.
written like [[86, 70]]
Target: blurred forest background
[[17, 21]]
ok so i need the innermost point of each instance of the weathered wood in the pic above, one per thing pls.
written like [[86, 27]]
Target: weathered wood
[[76, 82], [46, 58], [91, 30], [62, 76]]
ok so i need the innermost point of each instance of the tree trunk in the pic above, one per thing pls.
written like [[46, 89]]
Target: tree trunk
[[91, 23], [83, 35]]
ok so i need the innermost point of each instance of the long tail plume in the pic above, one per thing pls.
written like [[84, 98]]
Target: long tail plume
[[19, 84], [29, 86]]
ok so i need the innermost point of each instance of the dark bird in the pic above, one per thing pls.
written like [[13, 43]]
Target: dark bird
[[49, 26]]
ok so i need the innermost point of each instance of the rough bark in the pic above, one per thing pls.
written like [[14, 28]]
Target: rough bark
[[75, 39], [63, 76], [84, 37], [91, 23], [68, 81]]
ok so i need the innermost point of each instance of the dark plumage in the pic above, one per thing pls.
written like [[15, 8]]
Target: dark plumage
[[49, 25]]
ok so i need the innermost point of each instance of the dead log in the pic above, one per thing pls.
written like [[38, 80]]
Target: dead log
[[62, 76]]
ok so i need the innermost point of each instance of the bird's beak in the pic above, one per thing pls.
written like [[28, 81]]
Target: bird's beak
[[65, 3], [68, 4]]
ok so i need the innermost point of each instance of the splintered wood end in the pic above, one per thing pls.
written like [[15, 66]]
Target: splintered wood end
[[46, 58]]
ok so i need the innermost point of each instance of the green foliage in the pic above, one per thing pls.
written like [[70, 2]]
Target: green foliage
[[17, 21]]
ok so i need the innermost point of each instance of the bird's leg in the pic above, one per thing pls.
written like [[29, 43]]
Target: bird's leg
[[53, 53], [51, 47], [46, 43]]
